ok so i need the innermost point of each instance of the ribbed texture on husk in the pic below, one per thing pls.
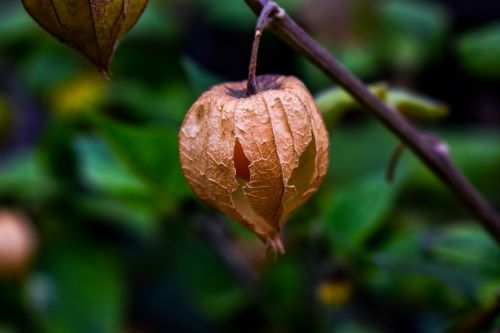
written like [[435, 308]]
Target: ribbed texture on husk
[[283, 137]]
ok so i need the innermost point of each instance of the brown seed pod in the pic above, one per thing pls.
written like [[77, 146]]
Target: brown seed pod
[[92, 27], [17, 243], [255, 158]]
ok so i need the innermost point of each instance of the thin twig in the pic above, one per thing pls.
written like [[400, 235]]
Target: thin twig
[[394, 161], [287, 29], [265, 18]]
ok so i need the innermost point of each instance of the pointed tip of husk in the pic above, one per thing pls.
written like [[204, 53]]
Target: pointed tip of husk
[[105, 72], [275, 246]]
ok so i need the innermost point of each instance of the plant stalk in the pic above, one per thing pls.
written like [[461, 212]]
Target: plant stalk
[[265, 17], [430, 152]]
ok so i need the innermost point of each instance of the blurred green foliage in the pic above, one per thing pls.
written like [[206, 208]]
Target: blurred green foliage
[[413, 32], [334, 102], [480, 51], [123, 245]]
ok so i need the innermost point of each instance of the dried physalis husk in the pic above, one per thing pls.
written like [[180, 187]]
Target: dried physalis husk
[[255, 158], [92, 27], [17, 243]]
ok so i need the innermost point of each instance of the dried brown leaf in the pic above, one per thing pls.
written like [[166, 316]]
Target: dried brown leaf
[[92, 27]]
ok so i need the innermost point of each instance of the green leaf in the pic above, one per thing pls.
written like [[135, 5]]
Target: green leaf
[[24, 177], [413, 105], [422, 282], [360, 150], [434, 266], [102, 171], [87, 292], [469, 248], [479, 51], [119, 196], [334, 102], [411, 32], [357, 211], [151, 153]]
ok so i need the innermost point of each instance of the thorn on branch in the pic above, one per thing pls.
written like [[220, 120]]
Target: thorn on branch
[[440, 148]]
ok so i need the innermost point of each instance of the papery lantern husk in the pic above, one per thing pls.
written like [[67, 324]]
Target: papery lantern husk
[[92, 27], [255, 158]]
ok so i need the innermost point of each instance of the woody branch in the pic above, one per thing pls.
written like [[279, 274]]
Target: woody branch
[[430, 152]]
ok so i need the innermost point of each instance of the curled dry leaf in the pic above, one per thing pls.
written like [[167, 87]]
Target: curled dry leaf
[[92, 27], [255, 158]]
